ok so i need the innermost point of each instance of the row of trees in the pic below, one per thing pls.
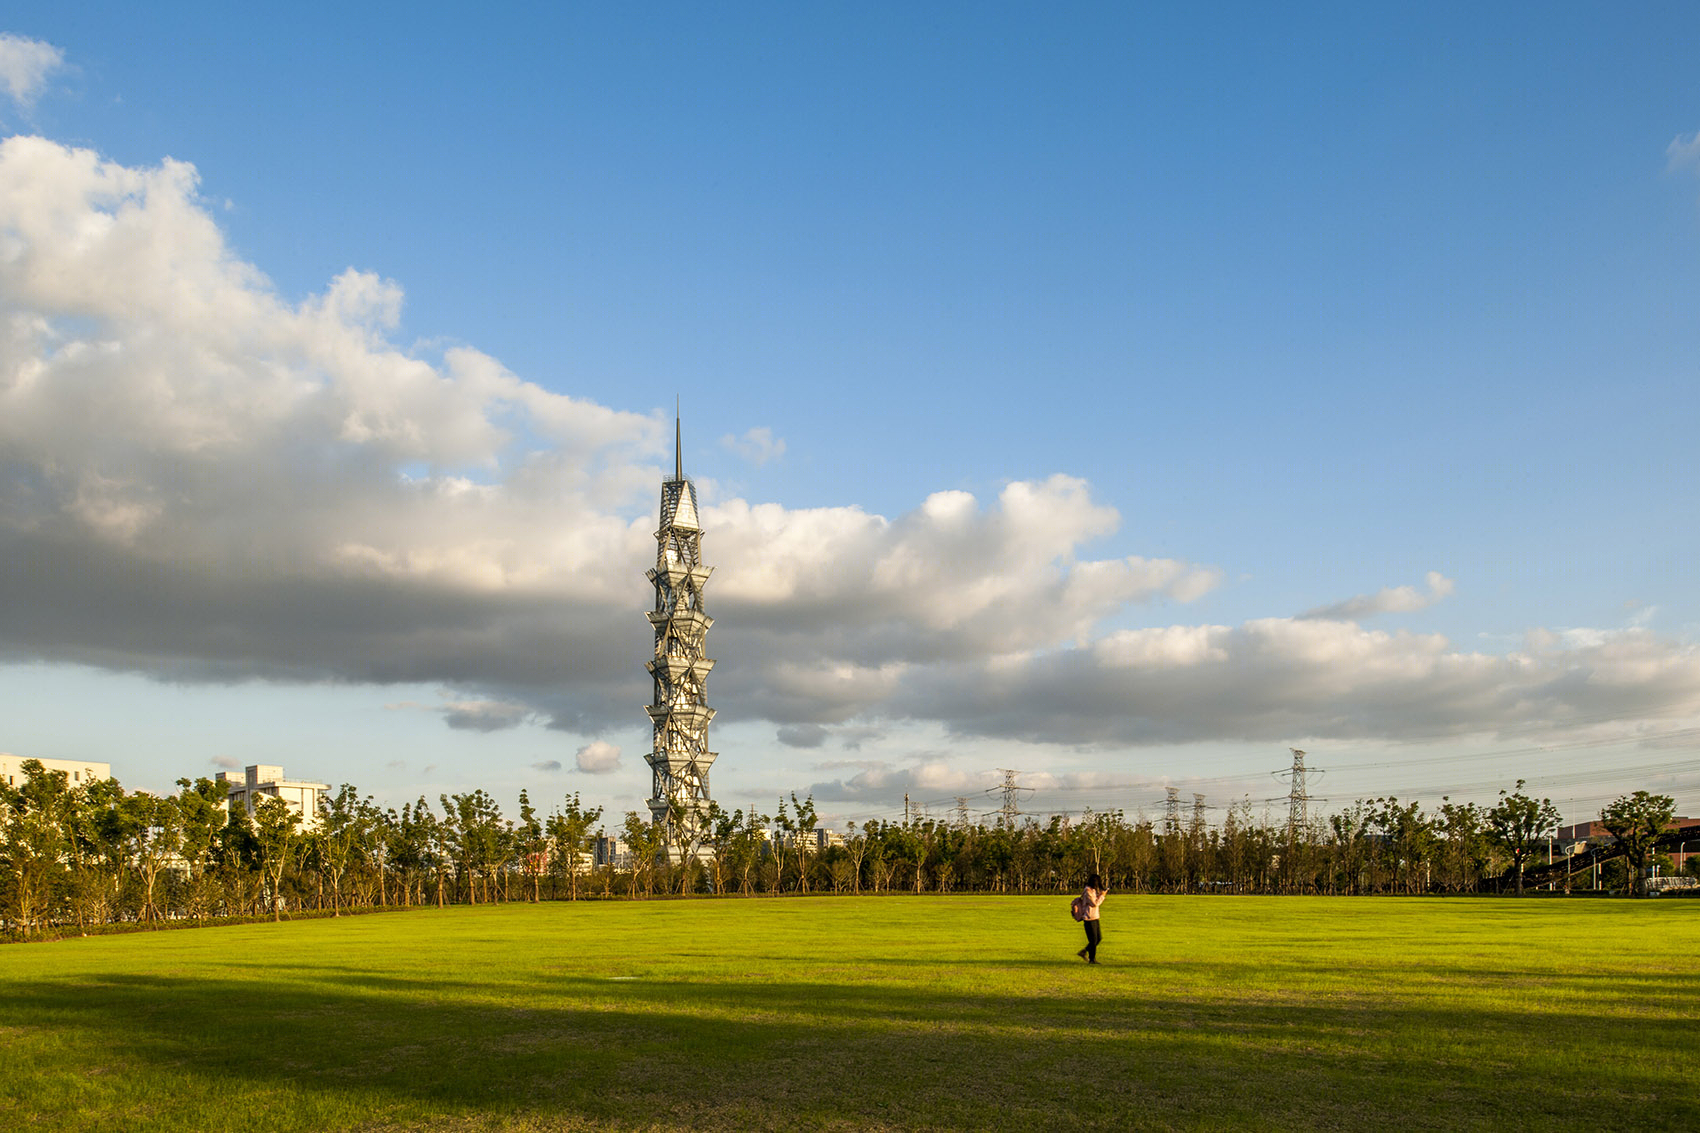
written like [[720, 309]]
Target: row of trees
[[92, 854]]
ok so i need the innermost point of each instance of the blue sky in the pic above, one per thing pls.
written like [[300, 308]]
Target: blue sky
[[1303, 306]]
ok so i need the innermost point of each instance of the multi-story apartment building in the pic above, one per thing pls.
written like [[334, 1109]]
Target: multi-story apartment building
[[77, 771], [260, 779]]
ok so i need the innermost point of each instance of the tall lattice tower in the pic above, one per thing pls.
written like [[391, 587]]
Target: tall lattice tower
[[680, 711], [1297, 799]]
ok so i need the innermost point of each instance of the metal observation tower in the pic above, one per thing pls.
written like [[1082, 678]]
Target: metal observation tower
[[680, 711]]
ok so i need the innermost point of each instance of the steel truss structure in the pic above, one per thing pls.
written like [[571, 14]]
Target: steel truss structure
[[679, 712]]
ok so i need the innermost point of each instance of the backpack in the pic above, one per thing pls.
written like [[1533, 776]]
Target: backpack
[[1078, 909]]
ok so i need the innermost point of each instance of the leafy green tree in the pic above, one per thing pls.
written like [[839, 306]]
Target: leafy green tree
[[644, 842], [236, 863], [33, 841], [802, 832], [477, 839], [407, 848], [275, 834], [200, 816], [1464, 844], [742, 845], [1519, 824], [569, 831], [1636, 821], [345, 828], [96, 853], [372, 855], [784, 831], [856, 849], [154, 836], [718, 829], [1408, 840], [905, 850], [1349, 839], [678, 852], [532, 845]]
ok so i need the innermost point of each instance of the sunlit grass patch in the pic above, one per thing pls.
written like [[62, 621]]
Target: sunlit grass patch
[[898, 1013]]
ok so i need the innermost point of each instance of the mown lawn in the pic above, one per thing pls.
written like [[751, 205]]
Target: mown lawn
[[871, 1013]]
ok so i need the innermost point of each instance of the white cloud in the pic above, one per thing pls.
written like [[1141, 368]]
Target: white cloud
[[25, 65], [1683, 151], [1388, 600], [212, 483], [757, 445], [598, 757]]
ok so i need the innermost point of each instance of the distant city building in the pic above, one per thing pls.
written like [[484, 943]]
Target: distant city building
[[263, 780], [679, 711], [817, 839], [611, 852], [77, 772]]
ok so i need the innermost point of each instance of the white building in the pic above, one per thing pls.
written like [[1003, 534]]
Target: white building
[[262, 780], [77, 772]]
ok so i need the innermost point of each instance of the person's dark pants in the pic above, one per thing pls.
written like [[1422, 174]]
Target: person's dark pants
[[1093, 935]]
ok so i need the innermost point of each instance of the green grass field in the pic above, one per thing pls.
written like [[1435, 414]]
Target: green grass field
[[872, 1013]]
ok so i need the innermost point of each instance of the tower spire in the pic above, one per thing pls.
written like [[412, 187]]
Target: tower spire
[[678, 444]]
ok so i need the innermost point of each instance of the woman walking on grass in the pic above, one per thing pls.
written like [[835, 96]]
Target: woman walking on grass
[[1090, 898]]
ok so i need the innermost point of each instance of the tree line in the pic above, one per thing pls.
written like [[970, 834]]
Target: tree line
[[74, 858]]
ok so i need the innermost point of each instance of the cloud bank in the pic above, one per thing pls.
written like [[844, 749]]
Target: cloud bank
[[204, 481]]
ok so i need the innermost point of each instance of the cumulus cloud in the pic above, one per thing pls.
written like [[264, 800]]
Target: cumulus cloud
[[757, 445], [599, 757], [228, 485], [484, 715], [202, 480], [1388, 600], [834, 604], [226, 763], [25, 65]]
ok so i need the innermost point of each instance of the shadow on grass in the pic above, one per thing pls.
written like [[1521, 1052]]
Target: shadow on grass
[[594, 1053]]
